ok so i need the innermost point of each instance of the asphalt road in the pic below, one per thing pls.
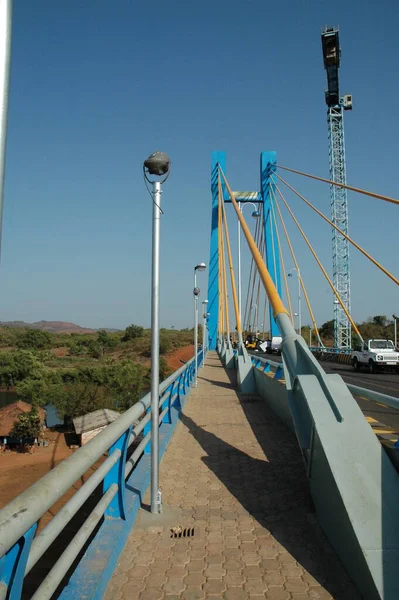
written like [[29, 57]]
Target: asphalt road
[[385, 383]]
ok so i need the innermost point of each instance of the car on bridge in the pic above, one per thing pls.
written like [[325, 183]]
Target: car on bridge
[[376, 355]]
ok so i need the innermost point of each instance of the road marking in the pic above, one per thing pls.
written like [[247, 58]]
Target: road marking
[[378, 431], [371, 420], [379, 404]]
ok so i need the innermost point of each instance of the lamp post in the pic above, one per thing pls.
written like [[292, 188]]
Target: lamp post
[[158, 164], [204, 313], [395, 318], [298, 272], [5, 60], [255, 215], [196, 292]]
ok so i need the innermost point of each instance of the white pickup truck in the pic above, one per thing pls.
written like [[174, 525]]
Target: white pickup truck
[[376, 355]]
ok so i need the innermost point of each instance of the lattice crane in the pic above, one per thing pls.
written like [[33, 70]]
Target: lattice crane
[[336, 106]]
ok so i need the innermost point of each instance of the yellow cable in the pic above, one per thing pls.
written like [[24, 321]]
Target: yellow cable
[[274, 298], [281, 257], [297, 267], [343, 185], [320, 265], [232, 278], [225, 292], [220, 283], [375, 262]]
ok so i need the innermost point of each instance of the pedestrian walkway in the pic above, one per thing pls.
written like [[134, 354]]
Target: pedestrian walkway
[[233, 481]]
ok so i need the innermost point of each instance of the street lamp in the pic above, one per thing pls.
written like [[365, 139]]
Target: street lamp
[[298, 272], [196, 292], [395, 318], [204, 313], [255, 214], [158, 165]]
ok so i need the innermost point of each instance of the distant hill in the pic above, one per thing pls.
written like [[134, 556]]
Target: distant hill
[[50, 326]]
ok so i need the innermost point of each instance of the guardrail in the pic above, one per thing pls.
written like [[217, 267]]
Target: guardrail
[[390, 401], [20, 550]]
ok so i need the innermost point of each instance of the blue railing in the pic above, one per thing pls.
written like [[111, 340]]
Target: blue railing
[[20, 549]]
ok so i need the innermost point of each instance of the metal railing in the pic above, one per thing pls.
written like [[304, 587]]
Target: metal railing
[[20, 550]]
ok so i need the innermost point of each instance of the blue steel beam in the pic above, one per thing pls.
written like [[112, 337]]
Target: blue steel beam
[[218, 158], [267, 167]]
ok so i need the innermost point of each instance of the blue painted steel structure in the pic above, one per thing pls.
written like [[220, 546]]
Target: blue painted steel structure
[[267, 168], [218, 158]]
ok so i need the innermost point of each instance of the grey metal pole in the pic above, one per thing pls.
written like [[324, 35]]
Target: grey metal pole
[[396, 333], [299, 303], [195, 330], [5, 59], [203, 334], [156, 506]]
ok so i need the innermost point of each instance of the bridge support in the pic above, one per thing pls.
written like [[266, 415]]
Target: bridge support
[[267, 168]]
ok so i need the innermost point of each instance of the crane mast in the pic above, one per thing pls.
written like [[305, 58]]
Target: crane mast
[[336, 106]]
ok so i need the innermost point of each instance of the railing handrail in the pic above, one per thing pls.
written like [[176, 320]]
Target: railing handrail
[[390, 401], [27, 508]]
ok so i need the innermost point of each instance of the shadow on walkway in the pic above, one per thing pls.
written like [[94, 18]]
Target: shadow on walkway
[[275, 491]]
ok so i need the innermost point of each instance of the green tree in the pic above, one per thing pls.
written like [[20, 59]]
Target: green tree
[[27, 425], [327, 329], [132, 332], [35, 339]]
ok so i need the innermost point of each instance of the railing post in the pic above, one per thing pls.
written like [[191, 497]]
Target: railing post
[[168, 418], [279, 373], [116, 508], [266, 368], [13, 565], [147, 429]]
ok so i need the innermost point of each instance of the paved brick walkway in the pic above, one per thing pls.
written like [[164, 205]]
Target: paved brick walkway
[[234, 473]]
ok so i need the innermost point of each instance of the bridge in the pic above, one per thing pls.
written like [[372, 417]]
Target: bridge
[[278, 475]]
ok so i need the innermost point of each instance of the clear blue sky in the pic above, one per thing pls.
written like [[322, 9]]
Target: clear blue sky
[[97, 86]]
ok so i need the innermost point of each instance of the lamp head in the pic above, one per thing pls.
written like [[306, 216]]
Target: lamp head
[[205, 301], [158, 163], [256, 214], [196, 291], [200, 267]]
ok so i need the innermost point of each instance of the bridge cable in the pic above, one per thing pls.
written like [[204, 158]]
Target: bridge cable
[[249, 283], [262, 245], [273, 200], [252, 279], [297, 267], [364, 252], [225, 291], [320, 265], [343, 185], [232, 277], [220, 279], [274, 298]]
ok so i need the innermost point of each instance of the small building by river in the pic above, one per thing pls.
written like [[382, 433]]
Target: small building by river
[[89, 425]]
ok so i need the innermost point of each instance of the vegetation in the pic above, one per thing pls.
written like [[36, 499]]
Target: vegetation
[[27, 425], [79, 373], [377, 327]]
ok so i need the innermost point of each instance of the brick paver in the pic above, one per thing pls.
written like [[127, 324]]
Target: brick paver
[[234, 472]]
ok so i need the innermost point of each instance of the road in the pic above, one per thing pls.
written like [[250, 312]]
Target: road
[[385, 383]]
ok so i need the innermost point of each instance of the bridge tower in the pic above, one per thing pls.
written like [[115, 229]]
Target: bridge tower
[[263, 197], [336, 106]]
